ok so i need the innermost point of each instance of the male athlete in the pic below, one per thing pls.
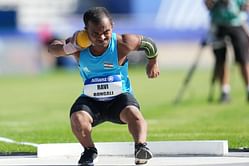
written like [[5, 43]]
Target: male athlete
[[107, 93]]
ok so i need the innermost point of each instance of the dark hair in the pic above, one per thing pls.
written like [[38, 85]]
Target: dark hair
[[96, 14]]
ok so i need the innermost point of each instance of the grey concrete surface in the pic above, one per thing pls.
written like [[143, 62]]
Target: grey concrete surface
[[232, 159]]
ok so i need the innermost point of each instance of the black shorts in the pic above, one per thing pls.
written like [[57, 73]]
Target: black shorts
[[240, 42], [102, 111]]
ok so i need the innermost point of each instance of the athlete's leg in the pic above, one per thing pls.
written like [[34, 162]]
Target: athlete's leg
[[136, 123], [124, 109], [138, 128], [83, 119], [81, 124]]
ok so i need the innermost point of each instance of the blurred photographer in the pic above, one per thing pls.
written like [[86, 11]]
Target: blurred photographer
[[228, 20]]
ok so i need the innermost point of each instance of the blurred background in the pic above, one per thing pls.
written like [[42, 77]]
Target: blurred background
[[36, 97], [26, 28]]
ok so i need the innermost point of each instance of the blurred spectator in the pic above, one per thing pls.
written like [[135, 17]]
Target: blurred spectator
[[46, 36], [228, 19]]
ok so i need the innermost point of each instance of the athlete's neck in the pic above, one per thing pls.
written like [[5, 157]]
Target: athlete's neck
[[97, 50]]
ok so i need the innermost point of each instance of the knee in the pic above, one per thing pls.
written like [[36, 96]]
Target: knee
[[132, 114], [80, 122]]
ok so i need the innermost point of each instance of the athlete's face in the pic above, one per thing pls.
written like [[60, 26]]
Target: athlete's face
[[100, 33]]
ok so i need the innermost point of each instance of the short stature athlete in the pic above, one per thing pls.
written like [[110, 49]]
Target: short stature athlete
[[107, 93]]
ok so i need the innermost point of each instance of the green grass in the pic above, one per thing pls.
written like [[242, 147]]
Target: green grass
[[36, 109]]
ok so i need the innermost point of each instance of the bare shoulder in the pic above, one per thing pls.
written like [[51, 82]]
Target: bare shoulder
[[130, 42]]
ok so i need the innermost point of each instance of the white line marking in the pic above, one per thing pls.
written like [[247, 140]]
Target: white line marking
[[7, 140]]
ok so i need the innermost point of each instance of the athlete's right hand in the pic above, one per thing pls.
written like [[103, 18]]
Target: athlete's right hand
[[70, 45], [56, 48]]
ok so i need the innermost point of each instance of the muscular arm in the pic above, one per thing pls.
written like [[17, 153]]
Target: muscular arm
[[129, 42], [56, 48]]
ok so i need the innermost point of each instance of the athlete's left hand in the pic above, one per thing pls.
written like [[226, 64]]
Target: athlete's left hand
[[152, 69]]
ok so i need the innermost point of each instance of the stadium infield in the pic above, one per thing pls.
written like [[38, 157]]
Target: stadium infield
[[35, 108]]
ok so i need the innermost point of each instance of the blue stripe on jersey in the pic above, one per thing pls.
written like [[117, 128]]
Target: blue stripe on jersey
[[107, 79]]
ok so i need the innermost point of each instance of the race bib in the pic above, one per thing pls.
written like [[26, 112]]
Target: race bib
[[103, 87]]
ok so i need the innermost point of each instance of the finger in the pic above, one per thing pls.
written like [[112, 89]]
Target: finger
[[57, 42], [152, 75]]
